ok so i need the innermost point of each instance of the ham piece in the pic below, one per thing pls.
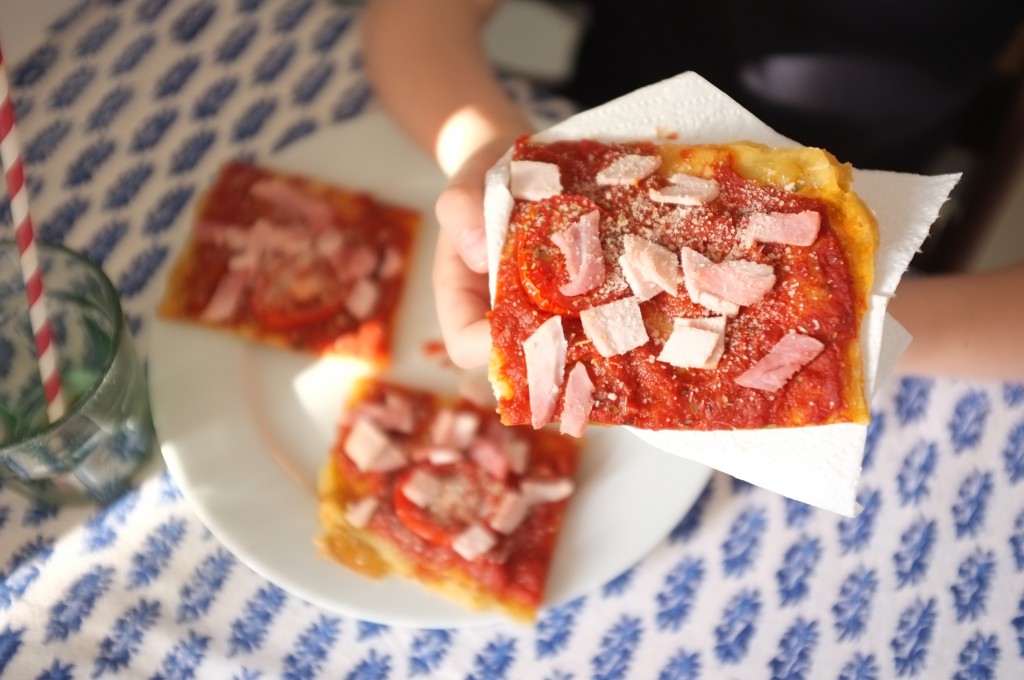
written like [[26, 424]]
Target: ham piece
[[402, 416], [443, 456], [580, 243], [789, 355], [686, 190], [486, 453], [515, 447], [422, 488], [546, 491], [391, 264], [615, 327], [294, 204], [534, 180], [628, 170], [545, 352], [221, 233], [249, 247], [370, 448], [394, 415], [517, 451], [474, 542], [464, 428], [510, 513], [224, 301], [695, 343], [362, 299], [436, 455], [329, 244], [741, 282], [577, 402], [358, 514], [734, 282], [649, 268], [355, 262], [642, 286], [455, 429], [441, 427], [692, 261], [795, 229]]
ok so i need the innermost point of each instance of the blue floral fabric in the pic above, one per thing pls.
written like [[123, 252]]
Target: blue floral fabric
[[125, 112]]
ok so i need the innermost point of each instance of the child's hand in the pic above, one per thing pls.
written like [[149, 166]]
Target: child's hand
[[460, 261]]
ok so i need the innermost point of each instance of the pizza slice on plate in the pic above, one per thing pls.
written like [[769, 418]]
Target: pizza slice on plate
[[672, 287], [438, 491], [294, 262]]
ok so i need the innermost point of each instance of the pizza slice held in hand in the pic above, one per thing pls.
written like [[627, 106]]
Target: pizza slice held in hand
[[294, 262], [437, 490], [673, 287]]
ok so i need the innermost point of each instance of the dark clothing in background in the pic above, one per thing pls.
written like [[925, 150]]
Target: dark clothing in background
[[879, 83]]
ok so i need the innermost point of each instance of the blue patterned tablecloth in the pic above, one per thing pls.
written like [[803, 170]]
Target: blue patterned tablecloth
[[127, 109]]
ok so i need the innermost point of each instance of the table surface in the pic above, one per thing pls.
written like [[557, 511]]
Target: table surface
[[126, 110]]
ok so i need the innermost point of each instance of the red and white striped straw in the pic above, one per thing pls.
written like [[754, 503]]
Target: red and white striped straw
[[10, 156]]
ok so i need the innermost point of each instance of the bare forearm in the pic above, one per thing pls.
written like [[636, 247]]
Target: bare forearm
[[964, 325], [426, 61]]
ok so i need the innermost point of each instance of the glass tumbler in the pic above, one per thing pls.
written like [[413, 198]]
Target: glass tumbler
[[106, 434]]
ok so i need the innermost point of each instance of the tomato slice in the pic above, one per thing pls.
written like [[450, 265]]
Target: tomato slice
[[542, 267], [464, 492], [289, 292]]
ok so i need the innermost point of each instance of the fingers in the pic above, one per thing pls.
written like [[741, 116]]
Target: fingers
[[460, 212], [460, 207], [462, 301], [460, 261]]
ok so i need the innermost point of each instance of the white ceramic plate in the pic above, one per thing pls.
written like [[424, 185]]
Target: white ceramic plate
[[245, 429]]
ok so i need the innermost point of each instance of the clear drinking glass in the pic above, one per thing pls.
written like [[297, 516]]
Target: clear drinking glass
[[106, 435]]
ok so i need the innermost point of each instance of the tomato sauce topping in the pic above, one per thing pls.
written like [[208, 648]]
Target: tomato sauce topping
[[813, 295]]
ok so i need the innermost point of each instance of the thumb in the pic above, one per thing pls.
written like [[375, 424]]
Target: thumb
[[460, 207], [460, 212]]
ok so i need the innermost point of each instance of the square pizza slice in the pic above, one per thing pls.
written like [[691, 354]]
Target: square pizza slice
[[294, 262], [437, 490], [672, 287]]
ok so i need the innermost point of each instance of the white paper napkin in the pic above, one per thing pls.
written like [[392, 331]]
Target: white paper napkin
[[817, 465]]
